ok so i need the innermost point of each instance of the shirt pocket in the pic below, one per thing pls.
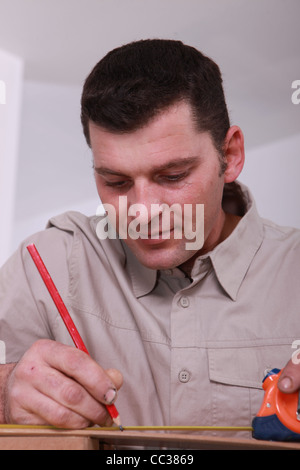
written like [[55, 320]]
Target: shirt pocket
[[236, 375]]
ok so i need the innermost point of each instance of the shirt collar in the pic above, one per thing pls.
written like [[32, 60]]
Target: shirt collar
[[143, 279], [230, 259]]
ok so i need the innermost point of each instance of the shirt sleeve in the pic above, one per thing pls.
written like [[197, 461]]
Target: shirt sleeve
[[27, 312]]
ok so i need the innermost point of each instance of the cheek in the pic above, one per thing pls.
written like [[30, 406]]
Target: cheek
[[208, 192], [99, 186], [105, 193], [110, 205]]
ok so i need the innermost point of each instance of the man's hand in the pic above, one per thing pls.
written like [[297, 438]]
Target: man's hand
[[289, 380], [61, 386]]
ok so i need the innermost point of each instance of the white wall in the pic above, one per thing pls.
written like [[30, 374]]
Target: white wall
[[55, 167], [11, 78], [272, 172]]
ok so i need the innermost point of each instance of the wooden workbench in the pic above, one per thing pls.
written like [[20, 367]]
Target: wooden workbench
[[43, 438]]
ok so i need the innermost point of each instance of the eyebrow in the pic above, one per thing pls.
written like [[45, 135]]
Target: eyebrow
[[179, 163]]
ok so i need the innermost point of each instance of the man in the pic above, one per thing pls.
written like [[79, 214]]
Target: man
[[188, 329]]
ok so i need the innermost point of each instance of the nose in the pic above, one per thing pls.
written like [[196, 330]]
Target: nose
[[143, 201]]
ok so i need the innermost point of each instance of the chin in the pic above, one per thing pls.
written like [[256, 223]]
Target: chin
[[161, 259]]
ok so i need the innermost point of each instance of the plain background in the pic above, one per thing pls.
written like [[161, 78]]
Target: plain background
[[256, 44]]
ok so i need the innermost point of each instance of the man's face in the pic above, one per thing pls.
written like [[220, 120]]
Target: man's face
[[166, 162]]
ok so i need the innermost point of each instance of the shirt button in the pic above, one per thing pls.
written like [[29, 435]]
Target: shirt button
[[168, 272], [184, 302], [184, 376]]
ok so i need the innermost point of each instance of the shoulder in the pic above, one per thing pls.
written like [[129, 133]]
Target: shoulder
[[289, 236], [82, 233], [56, 241], [69, 242], [70, 221], [281, 247]]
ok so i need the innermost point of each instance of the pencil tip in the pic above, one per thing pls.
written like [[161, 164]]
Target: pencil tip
[[117, 422]]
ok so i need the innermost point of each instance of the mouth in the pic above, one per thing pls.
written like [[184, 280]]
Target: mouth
[[155, 238]]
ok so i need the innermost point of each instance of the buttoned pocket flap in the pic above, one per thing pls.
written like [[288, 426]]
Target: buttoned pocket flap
[[246, 366]]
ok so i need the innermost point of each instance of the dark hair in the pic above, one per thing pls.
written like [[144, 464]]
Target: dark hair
[[135, 82]]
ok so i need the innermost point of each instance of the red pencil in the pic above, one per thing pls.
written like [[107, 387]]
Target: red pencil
[[66, 317]]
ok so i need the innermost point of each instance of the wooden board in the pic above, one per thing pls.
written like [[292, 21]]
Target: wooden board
[[31, 438]]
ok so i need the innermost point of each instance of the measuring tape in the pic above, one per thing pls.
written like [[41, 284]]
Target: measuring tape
[[279, 416], [137, 428]]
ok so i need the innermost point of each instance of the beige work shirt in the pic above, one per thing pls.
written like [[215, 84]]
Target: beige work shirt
[[192, 351]]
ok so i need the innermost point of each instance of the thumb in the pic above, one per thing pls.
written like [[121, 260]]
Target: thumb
[[289, 380], [116, 376]]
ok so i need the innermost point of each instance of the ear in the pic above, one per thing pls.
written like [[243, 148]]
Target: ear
[[234, 153]]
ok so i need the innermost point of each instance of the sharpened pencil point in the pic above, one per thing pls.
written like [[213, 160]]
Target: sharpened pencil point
[[117, 422]]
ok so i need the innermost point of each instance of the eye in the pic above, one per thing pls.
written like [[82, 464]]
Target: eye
[[112, 180], [117, 184], [174, 178]]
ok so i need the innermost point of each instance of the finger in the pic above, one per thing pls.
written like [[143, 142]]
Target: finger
[[116, 377], [45, 396], [60, 388], [70, 395], [18, 411], [289, 380], [81, 367], [40, 369], [42, 410], [30, 407]]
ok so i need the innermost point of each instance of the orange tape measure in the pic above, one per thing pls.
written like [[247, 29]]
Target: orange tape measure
[[279, 416]]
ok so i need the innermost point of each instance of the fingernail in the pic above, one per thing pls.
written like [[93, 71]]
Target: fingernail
[[286, 383], [110, 396]]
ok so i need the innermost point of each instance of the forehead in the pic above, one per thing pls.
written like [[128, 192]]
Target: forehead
[[170, 135]]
